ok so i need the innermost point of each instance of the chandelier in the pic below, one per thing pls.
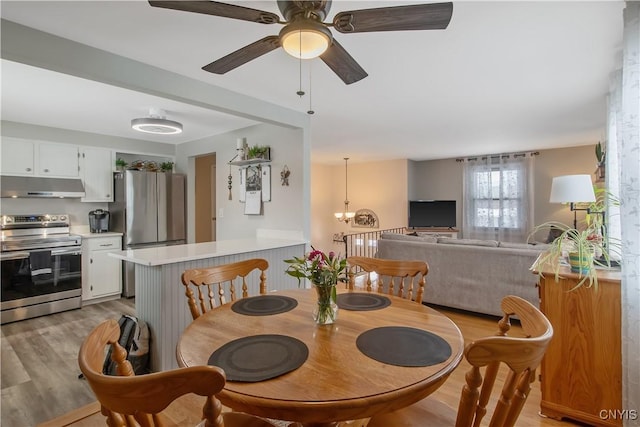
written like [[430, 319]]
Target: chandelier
[[345, 216]]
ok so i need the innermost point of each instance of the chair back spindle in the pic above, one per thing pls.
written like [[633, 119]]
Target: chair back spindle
[[517, 357], [128, 400], [405, 279], [520, 355], [216, 285]]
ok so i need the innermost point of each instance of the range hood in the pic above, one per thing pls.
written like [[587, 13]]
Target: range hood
[[28, 186]]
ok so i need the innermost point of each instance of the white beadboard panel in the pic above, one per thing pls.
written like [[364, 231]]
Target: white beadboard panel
[[161, 300]]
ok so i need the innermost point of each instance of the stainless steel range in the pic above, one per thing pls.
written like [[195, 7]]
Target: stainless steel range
[[41, 266]]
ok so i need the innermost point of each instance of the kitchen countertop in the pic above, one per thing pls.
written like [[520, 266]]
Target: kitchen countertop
[[87, 235], [162, 255]]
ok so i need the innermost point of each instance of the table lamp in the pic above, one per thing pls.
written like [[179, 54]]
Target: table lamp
[[572, 189]]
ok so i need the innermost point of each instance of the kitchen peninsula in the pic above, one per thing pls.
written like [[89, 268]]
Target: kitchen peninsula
[[160, 298]]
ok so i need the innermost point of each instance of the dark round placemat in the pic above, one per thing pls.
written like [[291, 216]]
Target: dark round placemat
[[259, 357], [264, 305], [403, 346], [362, 301]]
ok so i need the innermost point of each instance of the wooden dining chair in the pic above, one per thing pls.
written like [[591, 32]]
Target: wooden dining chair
[[405, 279], [130, 400], [213, 283], [516, 357]]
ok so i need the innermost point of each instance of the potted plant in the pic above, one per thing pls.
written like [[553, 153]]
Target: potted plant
[[120, 164], [258, 152], [166, 166], [584, 250], [324, 271]]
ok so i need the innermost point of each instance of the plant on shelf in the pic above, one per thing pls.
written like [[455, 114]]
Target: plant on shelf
[[120, 164], [166, 166], [257, 152], [585, 249]]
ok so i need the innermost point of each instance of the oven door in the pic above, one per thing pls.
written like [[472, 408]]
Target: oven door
[[37, 276]]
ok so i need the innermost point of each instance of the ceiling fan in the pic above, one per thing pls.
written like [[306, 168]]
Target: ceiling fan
[[305, 35]]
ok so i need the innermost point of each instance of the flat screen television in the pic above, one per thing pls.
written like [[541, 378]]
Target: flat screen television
[[432, 213]]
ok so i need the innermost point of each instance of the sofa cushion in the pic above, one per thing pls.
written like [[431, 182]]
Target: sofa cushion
[[514, 245], [429, 237], [409, 237], [472, 242]]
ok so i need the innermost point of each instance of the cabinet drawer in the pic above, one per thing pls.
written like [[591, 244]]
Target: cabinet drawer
[[104, 243]]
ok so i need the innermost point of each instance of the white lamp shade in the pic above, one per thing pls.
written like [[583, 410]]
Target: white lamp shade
[[572, 189]]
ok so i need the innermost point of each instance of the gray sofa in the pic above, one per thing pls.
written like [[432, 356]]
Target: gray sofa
[[467, 274]]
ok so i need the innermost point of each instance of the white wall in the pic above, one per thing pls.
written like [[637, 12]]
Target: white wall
[[283, 212], [379, 186]]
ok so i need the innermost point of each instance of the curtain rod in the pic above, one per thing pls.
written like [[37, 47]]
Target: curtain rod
[[497, 156]]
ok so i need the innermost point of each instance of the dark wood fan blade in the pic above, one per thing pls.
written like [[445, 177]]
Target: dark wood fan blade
[[343, 64], [219, 9], [433, 16], [244, 55]]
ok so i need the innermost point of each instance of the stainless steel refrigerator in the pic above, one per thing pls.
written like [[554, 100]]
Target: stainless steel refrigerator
[[149, 209]]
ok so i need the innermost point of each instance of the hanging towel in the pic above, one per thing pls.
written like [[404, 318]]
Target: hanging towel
[[40, 262]]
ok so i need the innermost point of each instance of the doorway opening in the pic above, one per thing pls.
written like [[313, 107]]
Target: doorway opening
[[205, 195]]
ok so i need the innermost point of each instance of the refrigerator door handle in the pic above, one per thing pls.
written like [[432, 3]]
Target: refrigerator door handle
[[162, 195]]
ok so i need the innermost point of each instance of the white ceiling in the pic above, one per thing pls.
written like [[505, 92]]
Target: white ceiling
[[503, 77]]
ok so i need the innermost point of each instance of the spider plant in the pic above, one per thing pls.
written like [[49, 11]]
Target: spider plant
[[590, 245]]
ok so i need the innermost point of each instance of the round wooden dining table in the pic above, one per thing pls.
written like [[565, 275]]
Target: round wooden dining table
[[336, 382]]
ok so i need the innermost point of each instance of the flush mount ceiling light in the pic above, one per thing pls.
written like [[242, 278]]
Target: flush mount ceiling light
[[156, 123]]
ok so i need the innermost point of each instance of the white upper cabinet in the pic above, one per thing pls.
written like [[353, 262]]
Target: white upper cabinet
[[97, 174], [36, 158], [58, 160], [18, 157]]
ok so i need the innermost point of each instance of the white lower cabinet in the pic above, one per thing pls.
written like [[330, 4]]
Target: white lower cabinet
[[101, 273]]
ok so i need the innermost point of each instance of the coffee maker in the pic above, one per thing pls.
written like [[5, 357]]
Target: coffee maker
[[99, 221]]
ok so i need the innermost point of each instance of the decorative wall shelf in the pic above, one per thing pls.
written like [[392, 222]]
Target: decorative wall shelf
[[249, 162]]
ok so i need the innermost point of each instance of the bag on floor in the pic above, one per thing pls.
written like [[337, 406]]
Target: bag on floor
[[134, 337]]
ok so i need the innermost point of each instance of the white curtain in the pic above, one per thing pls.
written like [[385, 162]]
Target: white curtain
[[497, 198], [628, 136], [612, 148]]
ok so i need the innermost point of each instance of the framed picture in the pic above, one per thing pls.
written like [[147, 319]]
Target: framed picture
[[255, 178], [365, 218]]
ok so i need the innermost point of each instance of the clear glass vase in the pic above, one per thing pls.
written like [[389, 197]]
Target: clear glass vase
[[326, 311]]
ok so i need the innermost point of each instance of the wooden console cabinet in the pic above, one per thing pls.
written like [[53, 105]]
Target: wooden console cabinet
[[581, 373]]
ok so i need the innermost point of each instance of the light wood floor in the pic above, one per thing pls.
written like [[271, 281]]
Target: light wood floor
[[40, 372], [39, 365]]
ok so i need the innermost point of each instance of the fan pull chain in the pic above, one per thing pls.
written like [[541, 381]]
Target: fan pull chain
[[300, 92], [310, 110]]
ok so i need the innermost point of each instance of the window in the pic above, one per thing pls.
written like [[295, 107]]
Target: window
[[496, 201]]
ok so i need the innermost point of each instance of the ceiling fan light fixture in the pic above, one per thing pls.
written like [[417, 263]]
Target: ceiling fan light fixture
[[305, 40], [156, 123]]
